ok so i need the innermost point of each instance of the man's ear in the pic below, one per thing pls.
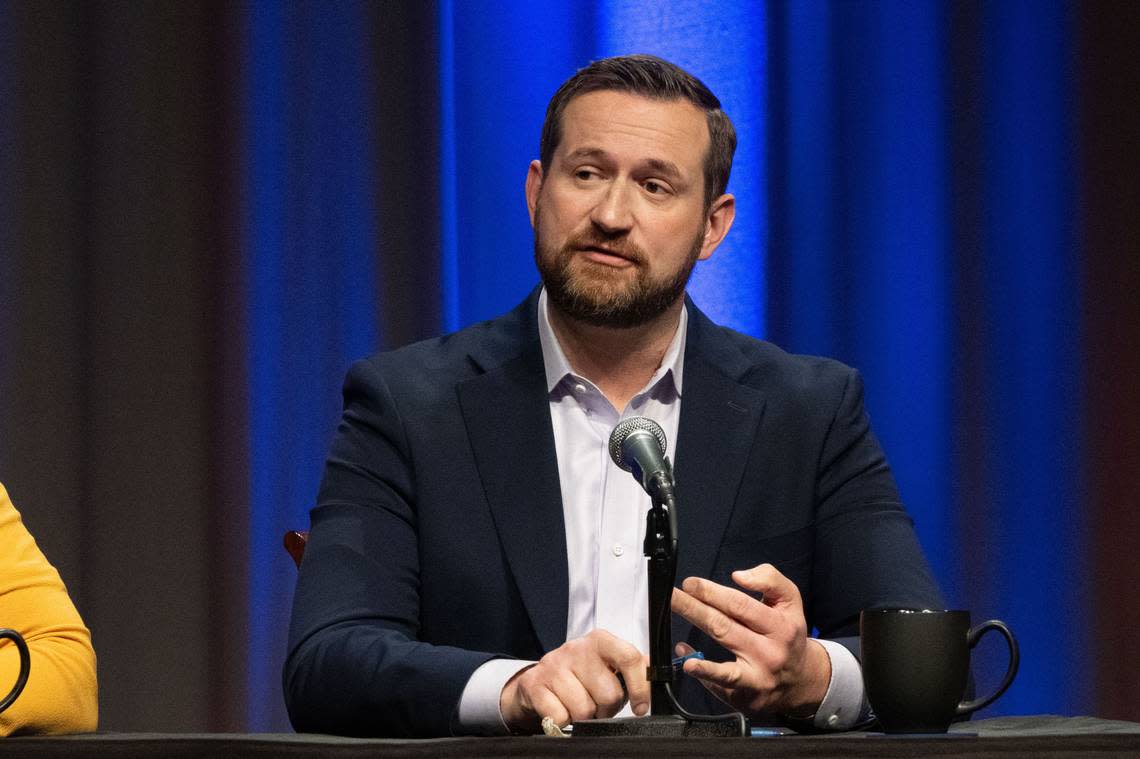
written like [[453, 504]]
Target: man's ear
[[533, 187], [719, 220]]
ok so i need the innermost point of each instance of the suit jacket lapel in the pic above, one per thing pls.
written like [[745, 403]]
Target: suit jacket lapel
[[507, 415], [719, 420]]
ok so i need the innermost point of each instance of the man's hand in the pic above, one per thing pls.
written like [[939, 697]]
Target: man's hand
[[578, 680], [778, 669]]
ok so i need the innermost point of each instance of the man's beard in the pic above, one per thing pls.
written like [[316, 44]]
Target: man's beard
[[593, 297]]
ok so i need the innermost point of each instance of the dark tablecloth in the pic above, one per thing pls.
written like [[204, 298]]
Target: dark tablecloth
[[1032, 737]]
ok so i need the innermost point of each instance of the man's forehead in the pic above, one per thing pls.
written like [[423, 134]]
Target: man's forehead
[[600, 122]]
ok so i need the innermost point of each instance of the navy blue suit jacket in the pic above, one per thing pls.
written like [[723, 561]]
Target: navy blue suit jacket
[[438, 541]]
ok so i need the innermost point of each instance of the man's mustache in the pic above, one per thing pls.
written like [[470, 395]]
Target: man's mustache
[[618, 246]]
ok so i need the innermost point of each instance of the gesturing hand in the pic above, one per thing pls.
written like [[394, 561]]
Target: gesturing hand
[[778, 668], [578, 680]]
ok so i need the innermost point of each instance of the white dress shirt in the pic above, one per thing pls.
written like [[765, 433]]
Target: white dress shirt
[[604, 510]]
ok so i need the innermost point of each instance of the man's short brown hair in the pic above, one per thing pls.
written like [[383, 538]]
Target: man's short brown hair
[[651, 77]]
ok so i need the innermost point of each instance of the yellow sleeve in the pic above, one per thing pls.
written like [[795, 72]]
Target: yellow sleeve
[[61, 695]]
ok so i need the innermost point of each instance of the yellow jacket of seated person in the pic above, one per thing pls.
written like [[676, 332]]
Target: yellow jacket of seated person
[[61, 695]]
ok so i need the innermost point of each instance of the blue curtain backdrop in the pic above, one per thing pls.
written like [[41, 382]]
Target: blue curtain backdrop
[[310, 238], [923, 204], [906, 203]]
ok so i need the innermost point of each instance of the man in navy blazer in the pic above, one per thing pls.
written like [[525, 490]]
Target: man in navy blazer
[[438, 548]]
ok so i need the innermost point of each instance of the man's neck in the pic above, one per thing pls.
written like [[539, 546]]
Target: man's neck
[[620, 361]]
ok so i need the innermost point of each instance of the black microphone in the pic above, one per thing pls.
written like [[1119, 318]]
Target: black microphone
[[637, 445]]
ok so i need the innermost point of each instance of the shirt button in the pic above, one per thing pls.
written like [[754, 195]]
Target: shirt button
[[833, 720], [619, 549], [579, 388]]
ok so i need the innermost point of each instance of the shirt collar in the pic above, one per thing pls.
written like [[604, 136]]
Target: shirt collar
[[558, 367]]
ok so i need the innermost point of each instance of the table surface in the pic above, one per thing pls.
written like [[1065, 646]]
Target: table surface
[[1006, 737]]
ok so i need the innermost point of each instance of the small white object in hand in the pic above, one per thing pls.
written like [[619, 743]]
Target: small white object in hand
[[551, 728]]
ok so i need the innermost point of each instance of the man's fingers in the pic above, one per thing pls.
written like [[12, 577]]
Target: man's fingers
[[623, 657], [603, 689], [725, 676], [721, 613], [573, 689], [545, 703], [711, 686], [692, 668], [636, 685], [567, 696], [777, 589]]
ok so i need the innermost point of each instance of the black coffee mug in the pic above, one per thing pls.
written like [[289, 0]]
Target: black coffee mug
[[25, 666], [916, 663]]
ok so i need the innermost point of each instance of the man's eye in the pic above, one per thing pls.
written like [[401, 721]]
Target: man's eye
[[584, 174], [654, 188]]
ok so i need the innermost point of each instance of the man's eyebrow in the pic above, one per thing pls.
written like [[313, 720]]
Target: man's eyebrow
[[580, 153], [665, 168], [659, 165]]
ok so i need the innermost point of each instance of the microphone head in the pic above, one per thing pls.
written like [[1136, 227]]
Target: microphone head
[[627, 427]]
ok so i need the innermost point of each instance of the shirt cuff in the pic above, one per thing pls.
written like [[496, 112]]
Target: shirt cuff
[[845, 705], [479, 705]]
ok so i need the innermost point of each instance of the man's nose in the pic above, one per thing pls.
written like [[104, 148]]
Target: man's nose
[[613, 213]]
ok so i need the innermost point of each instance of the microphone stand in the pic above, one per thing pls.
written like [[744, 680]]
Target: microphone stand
[[666, 716]]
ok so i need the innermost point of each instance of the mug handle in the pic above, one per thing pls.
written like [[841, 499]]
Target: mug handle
[[972, 639], [25, 665]]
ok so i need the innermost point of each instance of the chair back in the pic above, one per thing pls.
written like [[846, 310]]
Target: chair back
[[295, 541]]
